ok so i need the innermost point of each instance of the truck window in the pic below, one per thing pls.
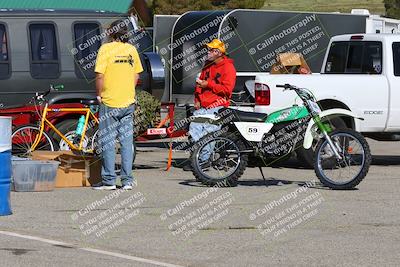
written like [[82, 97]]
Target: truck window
[[4, 60], [354, 58], [396, 58], [336, 61], [372, 58], [87, 41], [44, 51]]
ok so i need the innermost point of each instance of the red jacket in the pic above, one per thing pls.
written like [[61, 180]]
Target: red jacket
[[221, 80]]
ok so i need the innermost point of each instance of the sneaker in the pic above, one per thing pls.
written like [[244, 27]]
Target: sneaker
[[127, 187], [101, 186]]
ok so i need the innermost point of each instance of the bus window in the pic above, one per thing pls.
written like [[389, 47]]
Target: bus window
[[87, 41], [4, 58], [44, 51]]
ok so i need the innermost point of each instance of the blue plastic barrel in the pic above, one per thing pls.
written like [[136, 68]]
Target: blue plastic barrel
[[5, 165]]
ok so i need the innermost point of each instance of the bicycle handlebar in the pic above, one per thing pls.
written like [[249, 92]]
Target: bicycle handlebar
[[57, 87], [51, 89]]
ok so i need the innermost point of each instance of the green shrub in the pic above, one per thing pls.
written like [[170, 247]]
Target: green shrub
[[147, 112]]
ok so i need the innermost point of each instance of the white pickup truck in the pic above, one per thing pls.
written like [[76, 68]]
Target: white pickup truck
[[360, 73]]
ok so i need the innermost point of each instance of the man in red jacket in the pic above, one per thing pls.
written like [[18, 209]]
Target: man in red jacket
[[213, 89], [217, 79]]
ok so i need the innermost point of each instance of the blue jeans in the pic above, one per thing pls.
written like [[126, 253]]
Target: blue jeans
[[198, 130], [116, 122]]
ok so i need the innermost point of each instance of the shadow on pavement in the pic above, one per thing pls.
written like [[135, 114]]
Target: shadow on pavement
[[180, 162], [18, 251], [386, 160], [145, 167], [259, 182], [293, 163]]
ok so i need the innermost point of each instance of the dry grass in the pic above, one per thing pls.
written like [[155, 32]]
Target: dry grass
[[343, 6]]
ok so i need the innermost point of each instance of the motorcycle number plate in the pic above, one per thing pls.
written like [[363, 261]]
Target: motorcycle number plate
[[314, 106], [252, 130]]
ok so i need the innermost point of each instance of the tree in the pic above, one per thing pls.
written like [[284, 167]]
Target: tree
[[169, 7], [248, 4], [392, 8]]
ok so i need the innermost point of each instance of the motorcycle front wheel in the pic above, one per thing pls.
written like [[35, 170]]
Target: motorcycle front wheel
[[219, 161], [351, 168]]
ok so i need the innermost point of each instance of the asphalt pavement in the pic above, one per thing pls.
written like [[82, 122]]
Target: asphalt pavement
[[169, 219]]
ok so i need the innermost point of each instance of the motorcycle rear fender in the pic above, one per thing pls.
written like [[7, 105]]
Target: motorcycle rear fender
[[308, 138]]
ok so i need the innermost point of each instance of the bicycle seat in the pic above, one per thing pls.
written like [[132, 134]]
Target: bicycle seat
[[245, 116], [89, 102]]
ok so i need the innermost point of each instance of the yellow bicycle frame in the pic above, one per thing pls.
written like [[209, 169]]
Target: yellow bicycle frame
[[44, 121]]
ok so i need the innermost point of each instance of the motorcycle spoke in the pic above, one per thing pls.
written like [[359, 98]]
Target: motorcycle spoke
[[342, 171], [223, 160], [230, 159]]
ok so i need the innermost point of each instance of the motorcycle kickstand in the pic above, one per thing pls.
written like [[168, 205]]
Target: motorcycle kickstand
[[262, 174]]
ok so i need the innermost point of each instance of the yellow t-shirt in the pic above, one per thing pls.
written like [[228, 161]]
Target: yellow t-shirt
[[118, 62]]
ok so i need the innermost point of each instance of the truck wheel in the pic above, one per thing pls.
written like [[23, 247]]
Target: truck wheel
[[306, 156]]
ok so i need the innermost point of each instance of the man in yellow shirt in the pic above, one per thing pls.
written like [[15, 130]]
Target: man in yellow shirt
[[117, 72]]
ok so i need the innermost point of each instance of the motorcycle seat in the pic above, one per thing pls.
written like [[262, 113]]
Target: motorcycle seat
[[244, 116]]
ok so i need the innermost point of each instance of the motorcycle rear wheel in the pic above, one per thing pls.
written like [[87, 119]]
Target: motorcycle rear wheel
[[218, 160]]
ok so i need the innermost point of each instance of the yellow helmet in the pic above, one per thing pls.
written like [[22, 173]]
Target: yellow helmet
[[217, 44]]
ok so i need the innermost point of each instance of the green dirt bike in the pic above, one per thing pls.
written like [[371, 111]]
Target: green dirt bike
[[342, 156]]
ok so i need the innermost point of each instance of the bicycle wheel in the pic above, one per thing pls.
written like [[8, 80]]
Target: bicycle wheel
[[23, 138], [349, 170], [64, 127], [68, 128], [219, 160], [71, 136]]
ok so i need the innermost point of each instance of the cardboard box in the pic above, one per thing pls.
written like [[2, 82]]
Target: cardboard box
[[290, 63], [74, 170], [47, 155], [67, 177]]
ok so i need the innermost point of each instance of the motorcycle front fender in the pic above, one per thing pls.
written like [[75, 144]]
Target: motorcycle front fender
[[308, 138]]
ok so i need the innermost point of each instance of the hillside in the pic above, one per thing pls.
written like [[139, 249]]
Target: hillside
[[343, 6]]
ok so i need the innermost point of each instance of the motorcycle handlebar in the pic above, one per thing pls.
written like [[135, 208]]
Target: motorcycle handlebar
[[286, 86]]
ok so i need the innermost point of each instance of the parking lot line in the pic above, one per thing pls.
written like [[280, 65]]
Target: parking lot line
[[98, 251]]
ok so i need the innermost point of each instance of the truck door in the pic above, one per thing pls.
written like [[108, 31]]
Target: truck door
[[394, 79], [358, 65]]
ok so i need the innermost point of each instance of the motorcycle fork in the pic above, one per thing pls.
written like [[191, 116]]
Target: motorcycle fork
[[325, 131]]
